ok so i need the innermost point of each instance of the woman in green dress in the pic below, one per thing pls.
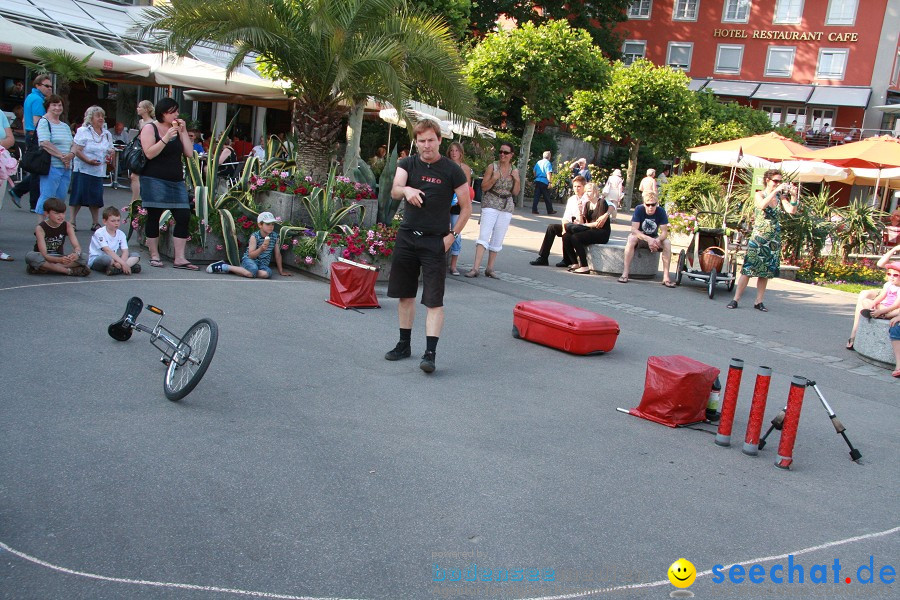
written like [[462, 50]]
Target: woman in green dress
[[764, 249]]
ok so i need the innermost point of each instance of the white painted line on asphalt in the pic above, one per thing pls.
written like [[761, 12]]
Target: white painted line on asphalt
[[160, 584], [142, 280], [619, 588]]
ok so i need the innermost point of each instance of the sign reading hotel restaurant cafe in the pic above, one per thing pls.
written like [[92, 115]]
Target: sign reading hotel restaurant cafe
[[802, 36]]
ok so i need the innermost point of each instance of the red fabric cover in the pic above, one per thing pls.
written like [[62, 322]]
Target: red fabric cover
[[676, 390], [353, 285], [564, 327]]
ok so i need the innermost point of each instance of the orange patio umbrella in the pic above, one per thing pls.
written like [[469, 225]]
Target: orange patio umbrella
[[770, 146], [882, 152]]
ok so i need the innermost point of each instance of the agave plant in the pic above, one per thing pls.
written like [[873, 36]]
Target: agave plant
[[387, 206], [859, 223], [808, 229]]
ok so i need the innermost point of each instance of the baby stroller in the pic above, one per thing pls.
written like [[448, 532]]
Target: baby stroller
[[708, 257]]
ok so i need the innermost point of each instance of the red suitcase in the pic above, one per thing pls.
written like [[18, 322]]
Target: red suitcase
[[564, 327]]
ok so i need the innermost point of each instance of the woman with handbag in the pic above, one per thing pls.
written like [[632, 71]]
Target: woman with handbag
[[7, 164], [54, 137], [146, 115], [164, 142], [597, 216], [500, 187], [93, 147]]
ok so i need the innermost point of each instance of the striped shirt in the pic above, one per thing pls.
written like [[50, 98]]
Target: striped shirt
[[59, 135]]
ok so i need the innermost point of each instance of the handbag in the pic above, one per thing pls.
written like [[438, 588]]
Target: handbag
[[135, 159], [36, 160]]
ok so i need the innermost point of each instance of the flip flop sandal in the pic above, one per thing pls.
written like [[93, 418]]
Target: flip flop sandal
[[155, 262], [491, 274], [187, 267], [896, 373], [622, 280], [850, 344], [668, 284]]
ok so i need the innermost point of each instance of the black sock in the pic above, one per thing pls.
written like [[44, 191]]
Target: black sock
[[431, 343], [405, 336]]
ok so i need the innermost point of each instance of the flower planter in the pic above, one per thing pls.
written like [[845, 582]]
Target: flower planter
[[679, 240], [788, 272], [369, 219], [322, 267], [193, 252], [286, 206]]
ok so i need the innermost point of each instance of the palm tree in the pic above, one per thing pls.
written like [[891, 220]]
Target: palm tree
[[67, 68], [333, 53]]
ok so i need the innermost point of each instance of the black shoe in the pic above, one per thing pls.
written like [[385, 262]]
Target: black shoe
[[534, 212], [562, 263], [401, 350], [135, 268], [552, 212], [427, 363], [867, 313], [540, 262]]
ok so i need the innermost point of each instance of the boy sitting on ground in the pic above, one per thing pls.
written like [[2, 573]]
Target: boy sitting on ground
[[109, 247], [262, 245], [51, 234]]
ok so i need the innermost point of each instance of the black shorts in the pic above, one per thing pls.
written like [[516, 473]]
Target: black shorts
[[413, 253]]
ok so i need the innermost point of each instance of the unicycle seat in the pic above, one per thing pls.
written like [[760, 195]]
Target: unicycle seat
[[121, 330]]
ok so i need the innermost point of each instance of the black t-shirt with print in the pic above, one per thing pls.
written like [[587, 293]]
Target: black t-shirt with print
[[437, 181]]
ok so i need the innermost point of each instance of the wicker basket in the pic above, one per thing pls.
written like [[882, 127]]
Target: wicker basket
[[712, 258]]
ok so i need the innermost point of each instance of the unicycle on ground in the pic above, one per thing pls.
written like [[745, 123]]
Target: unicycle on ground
[[186, 357]]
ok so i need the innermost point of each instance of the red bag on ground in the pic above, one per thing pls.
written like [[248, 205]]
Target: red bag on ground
[[353, 284], [676, 390], [564, 327]]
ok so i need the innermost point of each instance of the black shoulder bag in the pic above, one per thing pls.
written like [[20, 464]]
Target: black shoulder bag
[[36, 160], [134, 156]]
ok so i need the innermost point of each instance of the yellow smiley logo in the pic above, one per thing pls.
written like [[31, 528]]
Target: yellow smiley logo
[[682, 573]]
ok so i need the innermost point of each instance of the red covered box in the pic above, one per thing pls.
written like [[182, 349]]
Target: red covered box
[[353, 285], [676, 390], [564, 327]]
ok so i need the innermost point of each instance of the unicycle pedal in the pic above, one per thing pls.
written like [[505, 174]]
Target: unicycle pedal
[[121, 330]]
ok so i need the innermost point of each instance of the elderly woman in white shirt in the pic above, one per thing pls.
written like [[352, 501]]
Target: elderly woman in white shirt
[[93, 147]]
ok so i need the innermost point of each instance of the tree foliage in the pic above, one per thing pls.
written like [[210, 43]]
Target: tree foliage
[[723, 121], [644, 103], [599, 17], [537, 67], [332, 52], [457, 13]]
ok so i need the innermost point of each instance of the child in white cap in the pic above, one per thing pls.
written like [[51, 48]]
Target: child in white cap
[[262, 245]]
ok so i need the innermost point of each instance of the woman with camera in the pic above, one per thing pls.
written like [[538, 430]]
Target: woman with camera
[[763, 258]]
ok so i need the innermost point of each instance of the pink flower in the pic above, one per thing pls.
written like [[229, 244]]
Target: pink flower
[[284, 246], [134, 223], [308, 260], [295, 241], [220, 247]]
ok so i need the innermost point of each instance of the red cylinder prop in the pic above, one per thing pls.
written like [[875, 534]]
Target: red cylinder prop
[[732, 387], [791, 422], [757, 411]]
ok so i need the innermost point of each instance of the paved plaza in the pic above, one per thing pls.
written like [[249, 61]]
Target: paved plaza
[[304, 465]]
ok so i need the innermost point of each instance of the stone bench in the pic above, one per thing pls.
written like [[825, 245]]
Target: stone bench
[[609, 259], [872, 342]]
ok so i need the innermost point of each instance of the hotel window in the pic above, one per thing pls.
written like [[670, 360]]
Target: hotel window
[[640, 9], [774, 113], [841, 12], [780, 61], [729, 58], [798, 115], [832, 63], [736, 11], [788, 11], [679, 55], [822, 117], [633, 50], [686, 10]]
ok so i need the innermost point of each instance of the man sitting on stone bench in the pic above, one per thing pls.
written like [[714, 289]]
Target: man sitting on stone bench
[[649, 229], [572, 214]]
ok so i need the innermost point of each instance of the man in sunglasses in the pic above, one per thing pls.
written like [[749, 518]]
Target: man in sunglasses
[[649, 229], [33, 111]]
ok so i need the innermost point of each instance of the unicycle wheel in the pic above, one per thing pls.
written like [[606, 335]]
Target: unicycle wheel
[[200, 342]]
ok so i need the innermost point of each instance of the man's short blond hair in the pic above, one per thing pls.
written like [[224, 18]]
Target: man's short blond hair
[[424, 125]]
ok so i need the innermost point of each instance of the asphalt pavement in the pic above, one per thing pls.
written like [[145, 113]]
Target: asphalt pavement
[[304, 465]]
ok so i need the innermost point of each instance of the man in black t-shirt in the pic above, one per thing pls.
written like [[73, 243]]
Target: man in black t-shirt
[[427, 182]]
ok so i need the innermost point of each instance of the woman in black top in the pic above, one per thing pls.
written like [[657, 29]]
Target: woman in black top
[[164, 142], [598, 216]]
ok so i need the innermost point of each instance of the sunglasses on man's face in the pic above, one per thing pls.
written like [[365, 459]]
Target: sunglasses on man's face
[[650, 204]]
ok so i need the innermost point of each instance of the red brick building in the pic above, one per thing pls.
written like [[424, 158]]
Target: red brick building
[[816, 62]]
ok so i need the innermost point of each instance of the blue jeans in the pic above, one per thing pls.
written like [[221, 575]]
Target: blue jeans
[[457, 243], [254, 267], [54, 184]]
